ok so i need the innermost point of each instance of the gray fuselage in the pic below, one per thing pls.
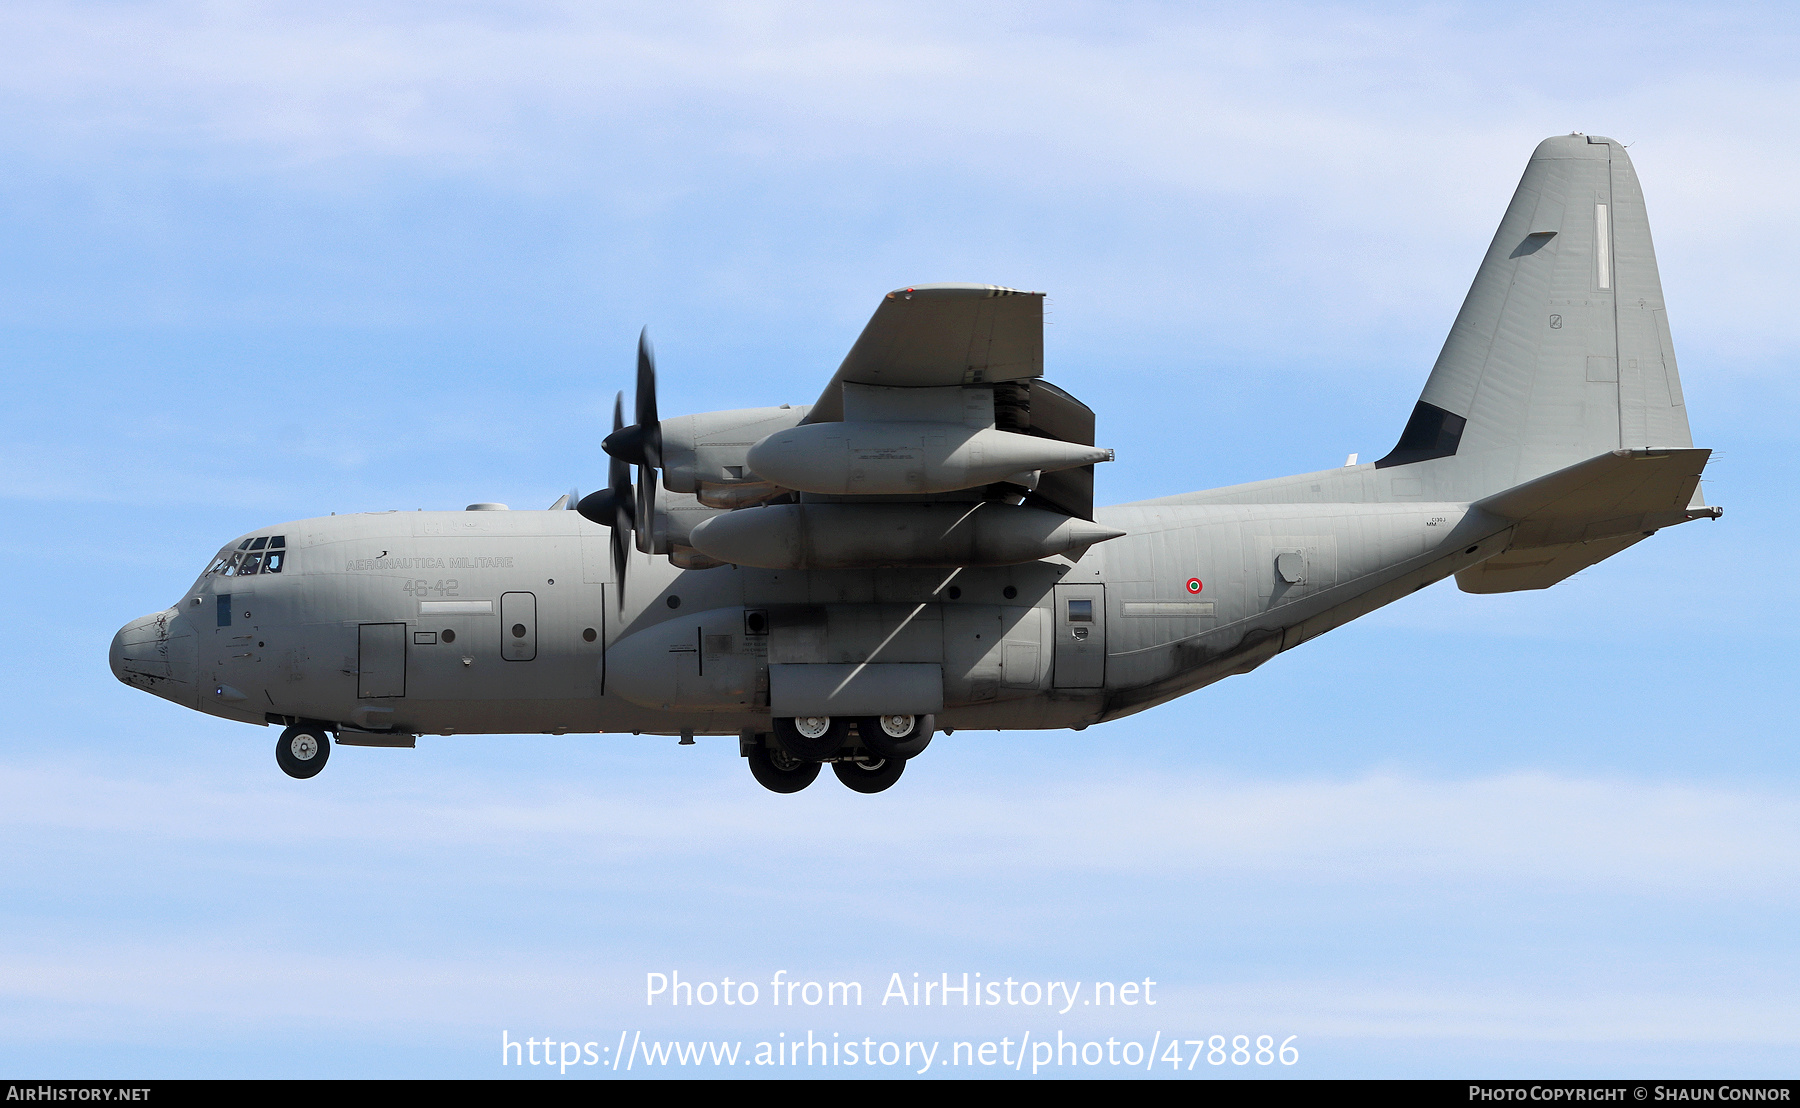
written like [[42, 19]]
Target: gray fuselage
[[510, 622]]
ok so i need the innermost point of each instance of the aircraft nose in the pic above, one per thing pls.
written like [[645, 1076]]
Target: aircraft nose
[[142, 655]]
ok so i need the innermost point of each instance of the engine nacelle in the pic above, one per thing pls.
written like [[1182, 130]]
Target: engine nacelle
[[703, 454], [900, 458], [845, 536], [675, 517]]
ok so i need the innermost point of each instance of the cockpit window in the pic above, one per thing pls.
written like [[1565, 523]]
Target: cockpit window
[[264, 554]]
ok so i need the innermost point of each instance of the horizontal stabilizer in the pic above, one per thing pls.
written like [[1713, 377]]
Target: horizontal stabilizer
[[1541, 566], [1581, 515]]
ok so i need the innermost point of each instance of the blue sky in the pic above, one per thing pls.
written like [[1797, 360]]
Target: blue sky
[[259, 263]]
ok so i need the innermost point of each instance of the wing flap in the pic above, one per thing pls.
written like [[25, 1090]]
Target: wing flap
[[1055, 414]]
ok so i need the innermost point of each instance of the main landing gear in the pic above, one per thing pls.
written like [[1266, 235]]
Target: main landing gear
[[778, 771], [302, 750], [867, 753], [869, 775]]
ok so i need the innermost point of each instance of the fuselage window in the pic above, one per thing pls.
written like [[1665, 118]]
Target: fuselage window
[[1081, 611]]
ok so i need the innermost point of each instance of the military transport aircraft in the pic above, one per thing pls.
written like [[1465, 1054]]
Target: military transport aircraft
[[919, 550]]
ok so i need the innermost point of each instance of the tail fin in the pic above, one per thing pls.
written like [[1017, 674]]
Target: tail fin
[[1561, 351]]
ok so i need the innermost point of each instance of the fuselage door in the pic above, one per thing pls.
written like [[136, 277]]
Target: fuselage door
[[381, 660], [1080, 636], [518, 626]]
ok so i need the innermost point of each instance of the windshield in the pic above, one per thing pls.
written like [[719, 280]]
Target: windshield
[[261, 554]]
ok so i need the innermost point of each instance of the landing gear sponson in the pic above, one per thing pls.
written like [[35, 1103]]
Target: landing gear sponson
[[868, 753]]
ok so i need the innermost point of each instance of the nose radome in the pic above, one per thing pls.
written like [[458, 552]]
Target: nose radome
[[117, 655], [141, 655]]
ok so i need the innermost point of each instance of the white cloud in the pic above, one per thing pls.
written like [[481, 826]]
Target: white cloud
[[1273, 104], [1368, 152], [1196, 105]]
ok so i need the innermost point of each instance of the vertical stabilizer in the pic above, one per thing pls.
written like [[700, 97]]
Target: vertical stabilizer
[[1561, 350]]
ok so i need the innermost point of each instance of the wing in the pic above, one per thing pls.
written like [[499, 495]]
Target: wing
[[986, 338], [948, 334], [934, 445]]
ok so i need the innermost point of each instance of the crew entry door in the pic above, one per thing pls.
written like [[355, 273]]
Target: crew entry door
[[1080, 637], [380, 660], [518, 626]]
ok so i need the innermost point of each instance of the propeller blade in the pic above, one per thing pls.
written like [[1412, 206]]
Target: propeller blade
[[624, 513], [618, 475], [646, 515], [650, 430], [620, 554]]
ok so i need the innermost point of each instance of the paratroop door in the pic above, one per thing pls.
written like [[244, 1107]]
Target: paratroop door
[[1080, 636]]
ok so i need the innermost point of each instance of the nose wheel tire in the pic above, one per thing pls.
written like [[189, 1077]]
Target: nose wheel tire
[[813, 738], [302, 750], [896, 737], [869, 776], [778, 771]]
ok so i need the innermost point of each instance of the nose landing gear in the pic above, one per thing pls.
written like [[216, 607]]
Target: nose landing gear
[[302, 750]]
